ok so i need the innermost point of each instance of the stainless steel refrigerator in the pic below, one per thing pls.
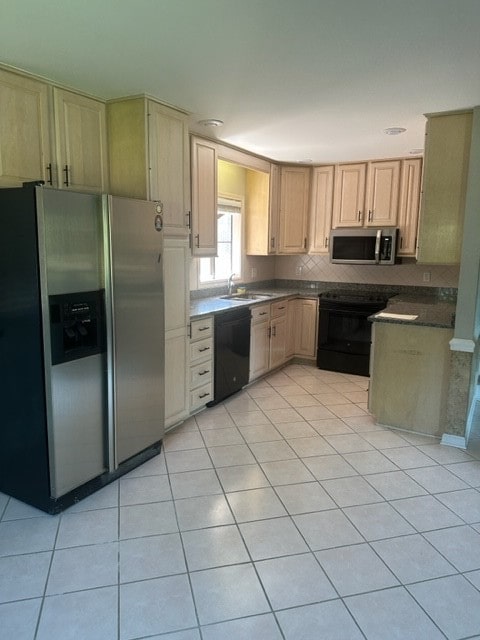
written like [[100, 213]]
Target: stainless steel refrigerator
[[81, 341]]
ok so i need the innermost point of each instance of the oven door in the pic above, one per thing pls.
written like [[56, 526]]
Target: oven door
[[344, 337]]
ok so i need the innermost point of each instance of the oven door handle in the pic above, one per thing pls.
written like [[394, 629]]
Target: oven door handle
[[377, 246]]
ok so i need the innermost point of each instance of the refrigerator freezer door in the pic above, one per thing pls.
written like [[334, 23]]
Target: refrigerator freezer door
[[78, 398], [136, 341], [73, 240]]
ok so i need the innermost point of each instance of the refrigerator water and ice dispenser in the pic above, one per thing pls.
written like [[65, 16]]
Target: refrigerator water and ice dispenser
[[77, 325]]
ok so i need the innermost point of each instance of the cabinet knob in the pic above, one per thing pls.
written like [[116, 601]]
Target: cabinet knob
[[359, 216], [370, 215], [197, 240]]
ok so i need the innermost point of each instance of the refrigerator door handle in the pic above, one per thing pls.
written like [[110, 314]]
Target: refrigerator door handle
[[110, 334]]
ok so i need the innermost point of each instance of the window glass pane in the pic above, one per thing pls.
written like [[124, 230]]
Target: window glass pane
[[229, 243]]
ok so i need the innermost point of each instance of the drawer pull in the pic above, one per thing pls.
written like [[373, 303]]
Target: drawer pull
[[264, 313], [204, 349], [202, 373], [203, 395], [281, 307], [203, 328]]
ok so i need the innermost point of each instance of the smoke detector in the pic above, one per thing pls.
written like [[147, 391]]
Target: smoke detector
[[211, 122], [394, 131]]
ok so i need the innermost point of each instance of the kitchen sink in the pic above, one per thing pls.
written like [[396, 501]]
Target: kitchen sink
[[246, 296]]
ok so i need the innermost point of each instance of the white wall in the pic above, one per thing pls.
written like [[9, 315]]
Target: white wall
[[307, 267]]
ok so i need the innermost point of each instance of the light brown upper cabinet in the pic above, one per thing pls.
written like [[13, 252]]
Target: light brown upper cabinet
[[25, 153], [81, 142], [366, 194], [50, 134], [149, 157], [321, 207], [381, 200], [293, 218], [410, 184], [257, 213], [447, 153], [204, 197], [349, 195], [262, 210]]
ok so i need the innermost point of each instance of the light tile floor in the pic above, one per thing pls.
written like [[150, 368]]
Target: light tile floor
[[284, 512]]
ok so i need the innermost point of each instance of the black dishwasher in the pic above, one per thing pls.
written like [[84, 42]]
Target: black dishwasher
[[232, 353]]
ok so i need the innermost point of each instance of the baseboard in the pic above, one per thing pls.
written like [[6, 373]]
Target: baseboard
[[453, 441]]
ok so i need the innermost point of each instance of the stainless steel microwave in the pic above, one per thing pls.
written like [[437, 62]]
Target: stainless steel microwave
[[363, 246]]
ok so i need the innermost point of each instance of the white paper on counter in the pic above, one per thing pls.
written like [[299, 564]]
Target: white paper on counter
[[395, 316]]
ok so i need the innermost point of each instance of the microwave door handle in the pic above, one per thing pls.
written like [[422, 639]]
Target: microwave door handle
[[377, 246]]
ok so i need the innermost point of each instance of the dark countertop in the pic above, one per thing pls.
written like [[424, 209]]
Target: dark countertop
[[215, 304], [430, 311]]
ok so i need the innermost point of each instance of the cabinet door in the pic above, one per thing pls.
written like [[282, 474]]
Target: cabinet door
[[291, 328], [382, 193], [294, 191], [176, 285], [259, 349], [127, 155], [278, 338], [176, 383], [321, 209], [204, 198], [447, 153], [306, 327], [169, 164], [81, 142], [409, 206], [24, 130], [257, 214], [349, 195], [274, 209]]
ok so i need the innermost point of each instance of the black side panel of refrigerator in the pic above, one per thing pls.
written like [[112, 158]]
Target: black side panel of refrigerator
[[23, 430]]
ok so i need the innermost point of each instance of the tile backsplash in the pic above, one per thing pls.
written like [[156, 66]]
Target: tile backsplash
[[308, 267]]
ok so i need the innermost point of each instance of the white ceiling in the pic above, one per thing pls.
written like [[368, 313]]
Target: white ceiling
[[292, 80]]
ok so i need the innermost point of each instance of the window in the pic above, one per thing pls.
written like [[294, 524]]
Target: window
[[229, 244]]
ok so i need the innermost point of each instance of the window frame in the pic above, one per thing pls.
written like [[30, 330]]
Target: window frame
[[230, 199]]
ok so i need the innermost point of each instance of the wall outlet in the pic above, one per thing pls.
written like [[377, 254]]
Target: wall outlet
[[426, 276], [253, 272], [298, 270]]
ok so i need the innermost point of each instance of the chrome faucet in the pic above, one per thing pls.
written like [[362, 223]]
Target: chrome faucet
[[230, 283]]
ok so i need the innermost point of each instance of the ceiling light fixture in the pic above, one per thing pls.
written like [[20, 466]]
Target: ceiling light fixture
[[394, 131], [211, 122]]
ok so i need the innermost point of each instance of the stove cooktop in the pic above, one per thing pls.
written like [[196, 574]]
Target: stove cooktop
[[354, 295]]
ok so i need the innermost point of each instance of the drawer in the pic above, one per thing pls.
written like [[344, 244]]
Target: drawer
[[200, 397], [201, 374], [260, 312], [278, 308], [201, 350], [202, 328]]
